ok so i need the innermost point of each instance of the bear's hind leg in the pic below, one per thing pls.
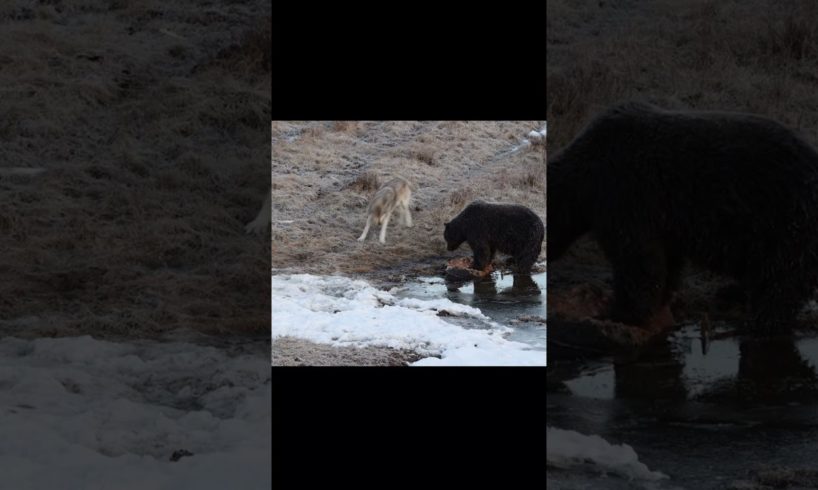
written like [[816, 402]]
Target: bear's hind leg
[[525, 261], [775, 303]]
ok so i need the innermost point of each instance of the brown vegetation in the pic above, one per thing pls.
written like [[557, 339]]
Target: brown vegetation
[[148, 118], [759, 56]]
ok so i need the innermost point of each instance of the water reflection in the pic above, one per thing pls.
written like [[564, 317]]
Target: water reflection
[[734, 369], [508, 284], [517, 301]]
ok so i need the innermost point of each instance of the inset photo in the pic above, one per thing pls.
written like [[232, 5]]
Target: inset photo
[[400, 243]]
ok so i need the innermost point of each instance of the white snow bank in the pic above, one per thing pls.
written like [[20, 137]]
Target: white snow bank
[[566, 448], [345, 312], [535, 137], [84, 413]]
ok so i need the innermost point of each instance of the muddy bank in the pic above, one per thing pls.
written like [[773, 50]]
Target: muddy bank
[[289, 351]]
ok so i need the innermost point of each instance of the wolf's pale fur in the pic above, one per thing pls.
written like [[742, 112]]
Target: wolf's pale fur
[[262, 221], [394, 194]]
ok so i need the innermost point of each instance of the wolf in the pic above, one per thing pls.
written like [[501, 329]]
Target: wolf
[[262, 221], [394, 194]]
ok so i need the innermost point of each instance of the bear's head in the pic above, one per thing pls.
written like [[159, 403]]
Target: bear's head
[[454, 238]]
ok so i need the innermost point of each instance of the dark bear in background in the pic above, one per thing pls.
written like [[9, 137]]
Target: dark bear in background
[[490, 228], [734, 193]]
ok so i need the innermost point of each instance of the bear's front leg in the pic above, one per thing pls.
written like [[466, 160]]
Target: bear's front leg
[[640, 278], [482, 255], [776, 301]]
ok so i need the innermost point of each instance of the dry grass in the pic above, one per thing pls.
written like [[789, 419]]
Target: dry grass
[[313, 132], [321, 187], [148, 117], [759, 56], [422, 153], [346, 126], [461, 197], [532, 176], [365, 182]]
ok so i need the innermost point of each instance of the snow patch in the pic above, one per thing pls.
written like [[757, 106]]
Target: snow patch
[[341, 311], [567, 448], [86, 413]]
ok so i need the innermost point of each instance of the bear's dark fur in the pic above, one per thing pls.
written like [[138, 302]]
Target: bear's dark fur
[[734, 193], [490, 228]]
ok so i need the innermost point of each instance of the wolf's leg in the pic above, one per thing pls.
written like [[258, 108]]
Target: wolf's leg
[[366, 228], [382, 238], [407, 215]]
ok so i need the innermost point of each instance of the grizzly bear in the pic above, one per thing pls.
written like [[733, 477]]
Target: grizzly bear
[[489, 228], [733, 193]]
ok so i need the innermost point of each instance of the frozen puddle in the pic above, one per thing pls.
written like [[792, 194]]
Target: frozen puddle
[[498, 299], [724, 367], [85, 413], [681, 406], [341, 311]]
